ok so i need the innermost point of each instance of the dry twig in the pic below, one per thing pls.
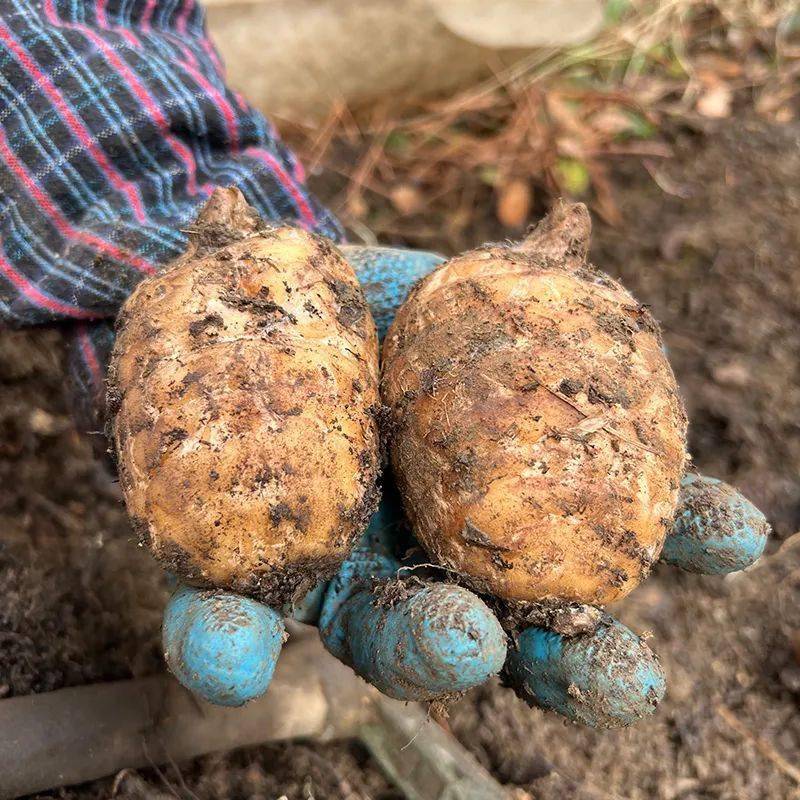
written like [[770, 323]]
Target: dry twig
[[761, 744]]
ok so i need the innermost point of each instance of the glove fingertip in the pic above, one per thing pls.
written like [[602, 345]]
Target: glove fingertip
[[716, 530], [387, 274], [459, 642], [608, 678], [221, 646], [417, 643]]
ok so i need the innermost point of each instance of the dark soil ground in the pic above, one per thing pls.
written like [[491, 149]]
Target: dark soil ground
[[715, 249]]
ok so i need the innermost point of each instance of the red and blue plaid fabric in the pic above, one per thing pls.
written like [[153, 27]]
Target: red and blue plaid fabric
[[115, 125]]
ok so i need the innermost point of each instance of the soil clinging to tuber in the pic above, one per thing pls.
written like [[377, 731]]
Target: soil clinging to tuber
[[538, 437], [243, 393]]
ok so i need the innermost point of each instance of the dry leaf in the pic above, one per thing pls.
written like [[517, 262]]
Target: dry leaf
[[717, 65], [514, 203], [406, 199], [716, 102], [611, 121]]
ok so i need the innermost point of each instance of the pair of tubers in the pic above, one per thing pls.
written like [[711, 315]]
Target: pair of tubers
[[534, 426]]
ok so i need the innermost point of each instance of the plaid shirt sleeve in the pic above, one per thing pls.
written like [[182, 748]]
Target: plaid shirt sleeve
[[115, 125]]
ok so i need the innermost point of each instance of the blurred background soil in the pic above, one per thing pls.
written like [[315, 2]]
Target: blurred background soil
[[697, 210]]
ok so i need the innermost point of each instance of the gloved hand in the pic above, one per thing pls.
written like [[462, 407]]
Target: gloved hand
[[417, 638], [117, 124]]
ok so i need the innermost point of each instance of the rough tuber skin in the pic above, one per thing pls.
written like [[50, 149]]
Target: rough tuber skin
[[538, 437], [243, 399]]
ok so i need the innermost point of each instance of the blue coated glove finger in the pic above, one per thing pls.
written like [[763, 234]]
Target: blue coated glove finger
[[386, 275], [716, 530], [412, 640], [221, 646], [607, 678]]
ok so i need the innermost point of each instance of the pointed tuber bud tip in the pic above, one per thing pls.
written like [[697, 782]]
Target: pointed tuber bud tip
[[562, 235], [227, 207]]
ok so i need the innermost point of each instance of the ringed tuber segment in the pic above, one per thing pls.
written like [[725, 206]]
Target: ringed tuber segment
[[538, 437], [243, 403]]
